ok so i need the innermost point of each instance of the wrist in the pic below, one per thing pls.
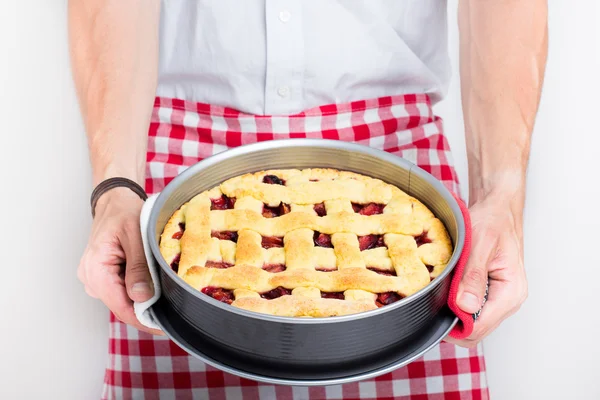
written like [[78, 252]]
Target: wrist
[[118, 196], [498, 171], [505, 188], [119, 189], [114, 171], [123, 159]]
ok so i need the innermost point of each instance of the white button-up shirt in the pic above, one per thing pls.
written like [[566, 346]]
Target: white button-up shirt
[[279, 57]]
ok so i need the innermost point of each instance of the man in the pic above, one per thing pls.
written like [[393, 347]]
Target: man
[[264, 58]]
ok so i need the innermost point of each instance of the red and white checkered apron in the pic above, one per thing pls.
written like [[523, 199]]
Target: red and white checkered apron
[[142, 366]]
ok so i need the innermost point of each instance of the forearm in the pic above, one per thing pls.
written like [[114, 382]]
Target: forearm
[[503, 48], [114, 50]]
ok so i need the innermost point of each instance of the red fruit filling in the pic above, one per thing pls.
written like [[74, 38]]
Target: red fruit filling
[[175, 263], [368, 209], [275, 293], [273, 180], [384, 299], [224, 295], [326, 270], [178, 235], [422, 239], [370, 242], [430, 268], [222, 203], [381, 272], [271, 241], [217, 264], [322, 240], [320, 209], [225, 235], [274, 268], [272, 212], [333, 295]]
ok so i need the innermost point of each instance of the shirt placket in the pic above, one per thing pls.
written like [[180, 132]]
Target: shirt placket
[[285, 57]]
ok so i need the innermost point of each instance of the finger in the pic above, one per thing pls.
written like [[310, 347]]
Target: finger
[[495, 311], [466, 343], [137, 276], [492, 315], [473, 283], [81, 268], [482, 331], [117, 300], [90, 292], [129, 318], [82, 275]]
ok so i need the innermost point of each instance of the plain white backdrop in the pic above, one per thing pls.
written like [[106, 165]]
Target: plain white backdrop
[[53, 338]]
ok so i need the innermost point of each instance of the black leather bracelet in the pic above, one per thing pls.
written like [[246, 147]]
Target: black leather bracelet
[[112, 183]]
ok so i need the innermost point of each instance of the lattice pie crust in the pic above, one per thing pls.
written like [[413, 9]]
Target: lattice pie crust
[[306, 243]]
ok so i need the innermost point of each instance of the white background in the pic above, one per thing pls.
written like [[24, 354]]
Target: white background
[[53, 339]]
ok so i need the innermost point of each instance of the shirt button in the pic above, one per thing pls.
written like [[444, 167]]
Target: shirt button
[[285, 16], [283, 91]]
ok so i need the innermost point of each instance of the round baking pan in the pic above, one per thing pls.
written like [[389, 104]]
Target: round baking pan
[[216, 355], [300, 343]]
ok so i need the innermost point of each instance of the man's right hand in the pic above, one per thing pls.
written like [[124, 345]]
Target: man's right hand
[[113, 267]]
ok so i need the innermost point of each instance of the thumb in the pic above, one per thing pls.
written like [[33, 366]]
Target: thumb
[[471, 290], [137, 276]]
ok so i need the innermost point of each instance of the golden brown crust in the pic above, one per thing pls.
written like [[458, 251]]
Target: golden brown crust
[[260, 281], [403, 219], [299, 306]]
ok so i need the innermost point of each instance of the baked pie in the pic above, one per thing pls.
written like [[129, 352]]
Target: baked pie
[[306, 243]]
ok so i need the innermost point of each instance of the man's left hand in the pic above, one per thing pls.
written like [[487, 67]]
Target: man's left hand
[[497, 257]]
